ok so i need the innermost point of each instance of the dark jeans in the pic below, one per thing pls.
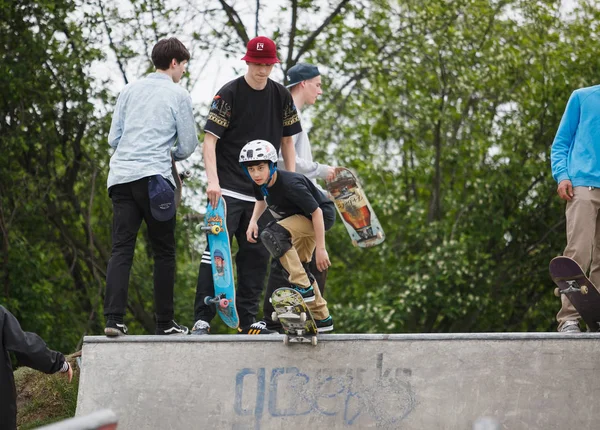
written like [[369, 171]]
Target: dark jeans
[[131, 205], [277, 279], [251, 262]]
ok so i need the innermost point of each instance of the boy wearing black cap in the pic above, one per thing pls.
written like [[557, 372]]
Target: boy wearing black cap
[[247, 108], [151, 116]]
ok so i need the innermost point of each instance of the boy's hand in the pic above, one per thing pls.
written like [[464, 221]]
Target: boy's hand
[[252, 232], [565, 190], [322, 259], [70, 373], [213, 192]]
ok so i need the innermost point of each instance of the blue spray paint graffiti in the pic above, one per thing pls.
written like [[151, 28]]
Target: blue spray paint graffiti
[[348, 396]]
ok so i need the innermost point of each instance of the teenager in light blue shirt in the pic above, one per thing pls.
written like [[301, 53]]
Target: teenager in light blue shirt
[[575, 159], [152, 123]]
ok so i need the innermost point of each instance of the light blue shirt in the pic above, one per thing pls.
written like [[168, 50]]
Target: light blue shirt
[[152, 115], [575, 153]]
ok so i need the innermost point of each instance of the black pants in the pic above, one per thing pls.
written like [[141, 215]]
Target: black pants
[[278, 279], [131, 205], [251, 262]]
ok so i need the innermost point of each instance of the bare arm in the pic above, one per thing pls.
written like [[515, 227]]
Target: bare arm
[[322, 258], [209, 151], [289, 153], [252, 232]]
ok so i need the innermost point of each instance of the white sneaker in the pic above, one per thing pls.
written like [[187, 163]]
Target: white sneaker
[[570, 327], [201, 327]]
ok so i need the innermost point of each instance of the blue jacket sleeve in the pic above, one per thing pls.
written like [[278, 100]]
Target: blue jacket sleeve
[[565, 136]]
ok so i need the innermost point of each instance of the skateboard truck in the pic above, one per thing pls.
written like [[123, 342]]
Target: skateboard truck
[[573, 287], [214, 229], [289, 315], [220, 300]]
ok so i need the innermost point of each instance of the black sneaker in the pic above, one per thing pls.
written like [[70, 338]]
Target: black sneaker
[[259, 327], [201, 327], [114, 328], [324, 325], [172, 328], [308, 294]]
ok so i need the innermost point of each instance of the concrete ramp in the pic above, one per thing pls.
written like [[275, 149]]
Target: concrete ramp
[[523, 380]]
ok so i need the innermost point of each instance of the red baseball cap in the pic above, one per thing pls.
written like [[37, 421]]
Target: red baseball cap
[[261, 49]]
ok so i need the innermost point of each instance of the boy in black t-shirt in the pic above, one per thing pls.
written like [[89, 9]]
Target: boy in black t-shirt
[[247, 108], [302, 215]]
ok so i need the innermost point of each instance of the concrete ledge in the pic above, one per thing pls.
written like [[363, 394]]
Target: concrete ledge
[[348, 337], [408, 381]]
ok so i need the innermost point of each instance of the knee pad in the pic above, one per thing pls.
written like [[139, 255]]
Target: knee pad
[[276, 239]]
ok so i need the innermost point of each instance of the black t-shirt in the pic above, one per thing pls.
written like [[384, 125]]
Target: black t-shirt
[[240, 114], [295, 194]]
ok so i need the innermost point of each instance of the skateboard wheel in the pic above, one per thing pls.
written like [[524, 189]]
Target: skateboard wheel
[[223, 303], [274, 316], [208, 300], [584, 289], [313, 340], [215, 229], [354, 243], [286, 340], [379, 235], [303, 317], [557, 292]]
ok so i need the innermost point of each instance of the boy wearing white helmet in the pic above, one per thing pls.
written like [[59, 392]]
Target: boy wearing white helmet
[[302, 215]]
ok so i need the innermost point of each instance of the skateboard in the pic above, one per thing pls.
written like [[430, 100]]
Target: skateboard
[[215, 226], [179, 178], [571, 280], [294, 316], [355, 210]]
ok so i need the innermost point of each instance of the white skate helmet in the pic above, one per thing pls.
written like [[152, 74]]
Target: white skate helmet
[[258, 150]]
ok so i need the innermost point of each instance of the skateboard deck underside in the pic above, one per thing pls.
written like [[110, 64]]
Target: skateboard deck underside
[[290, 307], [354, 209], [221, 263], [570, 278]]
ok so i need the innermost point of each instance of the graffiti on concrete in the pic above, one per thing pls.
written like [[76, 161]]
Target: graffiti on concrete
[[348, 396]]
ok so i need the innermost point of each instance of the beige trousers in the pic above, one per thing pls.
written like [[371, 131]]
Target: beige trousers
[[583, 242], [303, 245]]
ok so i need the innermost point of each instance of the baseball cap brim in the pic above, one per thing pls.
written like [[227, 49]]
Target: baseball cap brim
[[260, 60]]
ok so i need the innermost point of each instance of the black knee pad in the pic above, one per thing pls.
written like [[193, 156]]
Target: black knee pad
[[276, 239]]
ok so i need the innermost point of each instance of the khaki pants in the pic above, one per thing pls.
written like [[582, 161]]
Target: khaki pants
[[303, 245], [583, 242]]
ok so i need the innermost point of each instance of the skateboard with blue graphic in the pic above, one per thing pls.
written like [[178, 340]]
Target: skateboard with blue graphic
[[354, 208], [571, 281], [294, 316], [215, 226]]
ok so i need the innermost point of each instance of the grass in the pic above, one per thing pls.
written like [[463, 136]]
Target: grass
[[44, 399]]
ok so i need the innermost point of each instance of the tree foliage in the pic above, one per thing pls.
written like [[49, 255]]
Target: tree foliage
[[446, 110]]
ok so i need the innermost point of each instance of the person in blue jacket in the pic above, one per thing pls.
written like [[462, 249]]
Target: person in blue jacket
[[575, 159]]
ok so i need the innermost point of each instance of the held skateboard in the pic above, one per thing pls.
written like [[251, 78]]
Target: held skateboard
[[571, 281], [215, 226], [294, 316], [355, 210], [179, 178]]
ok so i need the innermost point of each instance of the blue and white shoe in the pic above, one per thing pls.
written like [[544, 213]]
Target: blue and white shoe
[[308, 294], [324, 325]]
